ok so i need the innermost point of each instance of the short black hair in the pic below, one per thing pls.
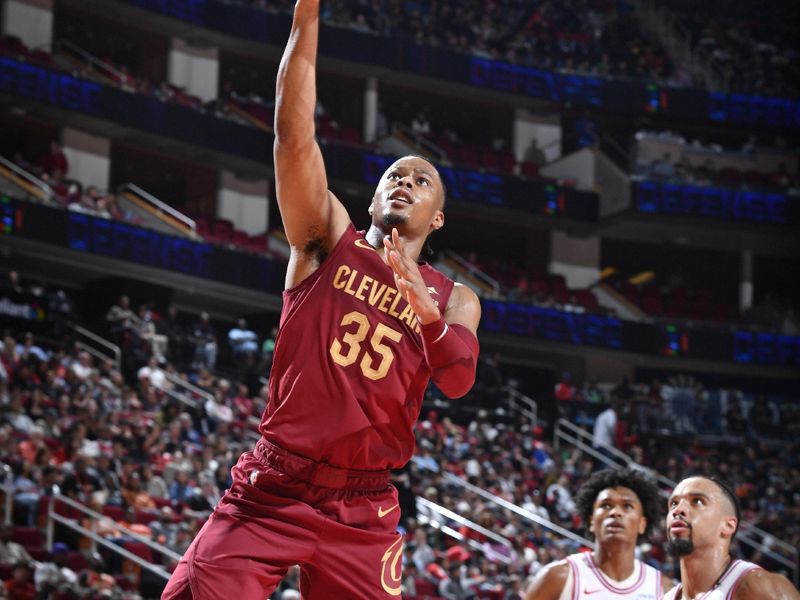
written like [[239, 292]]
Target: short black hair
[[731, 495], [633, 479]]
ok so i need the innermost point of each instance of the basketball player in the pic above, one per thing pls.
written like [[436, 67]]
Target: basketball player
[[702, 521], [619, 506], [364, 327]]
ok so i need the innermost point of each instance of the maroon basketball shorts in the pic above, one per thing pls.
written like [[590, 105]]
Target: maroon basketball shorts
[[283, 510]]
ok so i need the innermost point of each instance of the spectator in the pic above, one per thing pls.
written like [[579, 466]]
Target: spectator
[[204, 340], [564, 390], [135, 496], [605, 428], [267, 350], [55, 164], [83, 368], [420, 125], [10, 551], [21, 586], [423, 554], [165, 529], [55, 577], [243, 341], [120, 319]]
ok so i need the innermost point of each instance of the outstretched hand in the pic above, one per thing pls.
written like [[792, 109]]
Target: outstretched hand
[[409, 280]]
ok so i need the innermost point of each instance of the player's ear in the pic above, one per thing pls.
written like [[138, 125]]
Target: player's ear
[[371, 206], [728, 526], [438, 220], [642, 525]]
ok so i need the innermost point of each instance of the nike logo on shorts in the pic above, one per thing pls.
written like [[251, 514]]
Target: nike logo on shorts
[[382, 513]]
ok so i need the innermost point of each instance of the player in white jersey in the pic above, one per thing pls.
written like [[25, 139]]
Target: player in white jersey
[[619, 507], [702, 521]]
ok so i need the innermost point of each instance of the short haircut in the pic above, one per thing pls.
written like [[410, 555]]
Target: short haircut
[[633, 479], [727, 490]]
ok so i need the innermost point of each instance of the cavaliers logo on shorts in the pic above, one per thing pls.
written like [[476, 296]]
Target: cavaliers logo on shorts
[[392, 568]]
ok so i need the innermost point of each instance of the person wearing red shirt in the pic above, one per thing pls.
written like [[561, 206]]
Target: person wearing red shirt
[[364, 327]]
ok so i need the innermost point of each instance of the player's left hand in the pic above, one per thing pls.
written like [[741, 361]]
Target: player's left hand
[[409, 280]]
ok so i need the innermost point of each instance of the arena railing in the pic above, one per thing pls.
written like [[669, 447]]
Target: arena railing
[[104, 345], [483, 281], [518, 510], [423, 144], [159, 209], [522, 404], [438, 517], [107, 73], [34, 186], [190, 389], [749, 534], [54, 517], [8, 491]]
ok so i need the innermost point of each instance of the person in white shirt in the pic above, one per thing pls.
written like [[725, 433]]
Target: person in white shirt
[[702, 521], [619, 507]]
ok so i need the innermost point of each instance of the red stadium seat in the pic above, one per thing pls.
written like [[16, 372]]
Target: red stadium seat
[[30, 537], [112, 511], [240, 238], [259, 243], [140, 549]]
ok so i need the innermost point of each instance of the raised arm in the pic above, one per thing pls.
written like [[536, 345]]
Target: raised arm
[[313, 218]]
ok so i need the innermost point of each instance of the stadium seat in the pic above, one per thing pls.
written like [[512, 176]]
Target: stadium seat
[[259, 243], [30, 537]]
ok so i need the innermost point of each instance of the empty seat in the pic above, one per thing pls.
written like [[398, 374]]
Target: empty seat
[[30, 537]]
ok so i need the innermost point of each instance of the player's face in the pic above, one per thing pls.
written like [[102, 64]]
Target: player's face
[[699, 513], [409, 196], [617, 516]]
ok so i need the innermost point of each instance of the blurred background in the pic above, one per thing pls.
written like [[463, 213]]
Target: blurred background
[[622, 195]]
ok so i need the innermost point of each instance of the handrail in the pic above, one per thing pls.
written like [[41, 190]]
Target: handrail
[[474, 271], [160, 205], [525, 514], [420, 140], [92, 59], [747, 529], [193, 389], [115, 350], [180, 397], [250, 118], [425, 504], [175, 380], [515, 396], [53, 516], [453, 516], [93, 351], [29, 178], [8, 487]]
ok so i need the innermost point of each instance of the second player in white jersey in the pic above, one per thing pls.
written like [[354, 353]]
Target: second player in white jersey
[[586, 581]]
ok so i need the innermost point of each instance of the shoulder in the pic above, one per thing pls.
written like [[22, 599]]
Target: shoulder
[[463, 308], [549, 582], [463, 299], [758, 584]]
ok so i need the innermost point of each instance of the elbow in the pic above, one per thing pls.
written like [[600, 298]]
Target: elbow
[[288, 142], [454, 383], [454, 392]]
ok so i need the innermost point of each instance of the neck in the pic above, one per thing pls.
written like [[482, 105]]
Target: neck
[[702, 569], [615, 560], [375, 237]]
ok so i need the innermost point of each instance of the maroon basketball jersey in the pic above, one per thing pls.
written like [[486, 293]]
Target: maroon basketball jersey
[[349, 372]]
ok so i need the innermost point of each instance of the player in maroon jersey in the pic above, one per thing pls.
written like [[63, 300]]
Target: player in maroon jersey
[[364, 327]]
